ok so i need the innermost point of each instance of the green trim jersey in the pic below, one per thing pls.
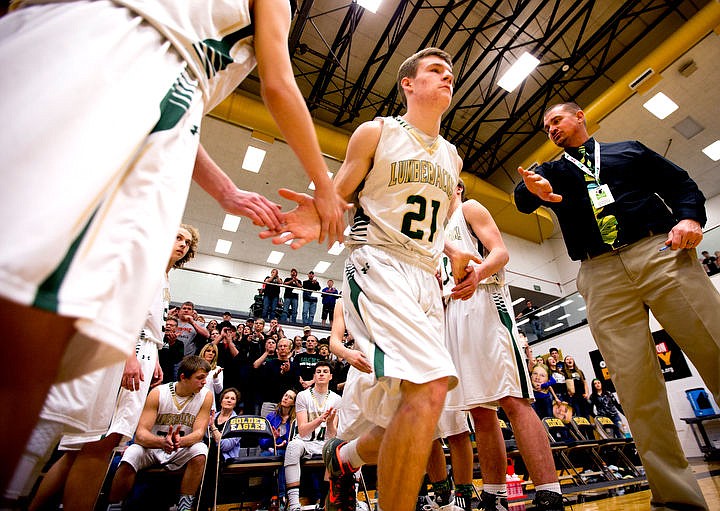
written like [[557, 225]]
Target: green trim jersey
[[315, 405], [404, 199], [215, 38], [459, 233], [173, 410]]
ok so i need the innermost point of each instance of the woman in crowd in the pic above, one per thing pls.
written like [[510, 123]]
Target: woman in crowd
[[605, 404], [543, 404], [578, 390], [297, 346], [229, 447], [214, 381], [212, 325], [281, 421], [559, 385]]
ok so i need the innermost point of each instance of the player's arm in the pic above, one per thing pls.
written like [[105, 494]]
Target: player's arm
[[355, 358], [200, 425], [144, 435], [286, 104], [214, 181], [302, 224]]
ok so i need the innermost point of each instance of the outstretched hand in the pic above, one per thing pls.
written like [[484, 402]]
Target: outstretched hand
[[538, 185], [253, 206], [331, 209], [302, 224]]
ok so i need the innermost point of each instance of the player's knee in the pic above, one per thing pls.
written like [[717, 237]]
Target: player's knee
[[425, 398]]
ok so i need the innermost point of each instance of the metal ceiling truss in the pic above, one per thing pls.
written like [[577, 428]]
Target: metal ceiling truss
[[576, 41]]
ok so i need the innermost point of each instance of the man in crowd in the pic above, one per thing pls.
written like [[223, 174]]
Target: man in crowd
[[305, 363], [633, 219], [227, 317], [190, 331], [316, 411], [171, 352], [170, 433], [329, 298], [290, 298], [309, 299]]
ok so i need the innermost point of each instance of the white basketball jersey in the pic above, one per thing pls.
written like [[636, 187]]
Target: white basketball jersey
[[459, 233], [404, 200], [215, 38], [315, 405], [174, 410]]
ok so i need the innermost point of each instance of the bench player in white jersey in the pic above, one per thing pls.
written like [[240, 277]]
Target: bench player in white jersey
[[170, 432], [316, 413], [401, 174], [94, 423], [483, 341], [110, 166]]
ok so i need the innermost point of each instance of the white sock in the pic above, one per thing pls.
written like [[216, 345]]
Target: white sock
[[348, 454], [293, 495], [495, 489], [553, 487], [43, 440]]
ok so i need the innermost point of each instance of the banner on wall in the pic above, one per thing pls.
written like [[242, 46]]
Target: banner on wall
[[672, 361], [671, 358], [601, 371]]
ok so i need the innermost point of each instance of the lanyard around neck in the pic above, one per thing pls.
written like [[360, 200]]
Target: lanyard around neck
[[595, 175]]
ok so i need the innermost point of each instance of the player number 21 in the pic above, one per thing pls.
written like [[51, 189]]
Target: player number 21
[[419, 216]]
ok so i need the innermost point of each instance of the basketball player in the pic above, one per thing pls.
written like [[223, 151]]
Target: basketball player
[[401, 175], [110, 164], [492, 370], [316, 412], [171, 429], [83, 408]]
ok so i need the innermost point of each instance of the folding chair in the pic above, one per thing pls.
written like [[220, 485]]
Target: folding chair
[[584, 451], [618, 445], [258, 455]]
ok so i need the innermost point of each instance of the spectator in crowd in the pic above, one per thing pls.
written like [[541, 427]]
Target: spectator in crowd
[[305, 363], [214, 382], [605, 404], [229, 448], [709, 263], [212, 325], [171, 352], [268, 354], [215, 336], [578, 390], [297, 347], [530, 311], [543, 404], [329, 298], [237, 356], [316, 411], [271, 294], [290, 298], [278, 374], [190, 332], [309, 300], [281, 420], [275, 328], [307, 332], [170, 433], [229, 401], [226, 321], [555, 353], [559, 382], [258, 333]]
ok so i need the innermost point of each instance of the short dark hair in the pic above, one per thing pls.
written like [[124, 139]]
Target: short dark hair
[[409, 67], [323, 363], [192, 364], [553, 349]]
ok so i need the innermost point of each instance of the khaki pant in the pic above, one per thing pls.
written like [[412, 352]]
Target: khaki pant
[[619, 288]]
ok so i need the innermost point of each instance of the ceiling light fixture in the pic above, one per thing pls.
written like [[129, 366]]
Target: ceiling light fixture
[[253, 159], [713, 151], [336, 249], [660, 105], [231, 223], [275, 257], [223, 246], [369, 5], [518, 72], [321, 267]]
